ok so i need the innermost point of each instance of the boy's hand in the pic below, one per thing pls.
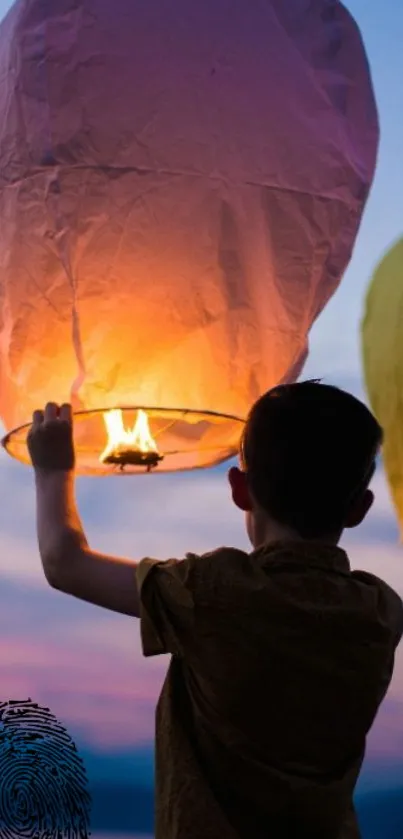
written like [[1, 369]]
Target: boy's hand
[[68, 562], [50, 439]]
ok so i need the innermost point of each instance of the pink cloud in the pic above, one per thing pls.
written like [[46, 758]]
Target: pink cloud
[[109, 700]]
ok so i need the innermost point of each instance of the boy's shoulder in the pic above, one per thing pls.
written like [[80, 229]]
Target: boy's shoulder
[[389, 604], [219, 562], [222, 554], [235, 568]]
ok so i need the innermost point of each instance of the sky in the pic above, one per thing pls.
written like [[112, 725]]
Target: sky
[[86, 664]]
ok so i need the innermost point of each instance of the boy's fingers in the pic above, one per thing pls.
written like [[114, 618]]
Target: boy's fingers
[[51, 412], [66, 413], [37, 419]]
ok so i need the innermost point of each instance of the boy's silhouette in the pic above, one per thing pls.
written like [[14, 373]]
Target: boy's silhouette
[[280, 657]]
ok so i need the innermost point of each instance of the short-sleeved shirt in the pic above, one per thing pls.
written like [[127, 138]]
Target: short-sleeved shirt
[[279, 662]]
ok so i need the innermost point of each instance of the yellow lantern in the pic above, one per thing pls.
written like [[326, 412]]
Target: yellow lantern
[[181, 185], [382, 346]]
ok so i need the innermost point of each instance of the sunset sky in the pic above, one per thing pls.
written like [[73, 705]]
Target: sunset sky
[[86, 664]]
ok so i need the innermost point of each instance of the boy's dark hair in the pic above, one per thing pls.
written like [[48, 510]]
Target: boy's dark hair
[[309, 450]]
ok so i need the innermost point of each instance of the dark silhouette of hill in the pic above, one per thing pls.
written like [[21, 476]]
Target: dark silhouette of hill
[[126, 808]]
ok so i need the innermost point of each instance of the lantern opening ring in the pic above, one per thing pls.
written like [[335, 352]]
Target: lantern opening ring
[[186, 439]]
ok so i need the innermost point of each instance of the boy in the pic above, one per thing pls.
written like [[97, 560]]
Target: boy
[[280, 658]]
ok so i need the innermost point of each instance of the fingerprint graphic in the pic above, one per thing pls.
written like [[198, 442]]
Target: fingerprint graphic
[[43, 783]]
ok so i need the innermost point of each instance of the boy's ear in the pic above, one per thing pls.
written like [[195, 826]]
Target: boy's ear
[[240, 490], [360, 509]]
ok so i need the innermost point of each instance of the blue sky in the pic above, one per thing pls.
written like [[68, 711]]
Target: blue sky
[[86, 664]]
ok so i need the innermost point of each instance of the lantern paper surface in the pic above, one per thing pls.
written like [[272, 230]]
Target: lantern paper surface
[[181, 185], [382, 346]]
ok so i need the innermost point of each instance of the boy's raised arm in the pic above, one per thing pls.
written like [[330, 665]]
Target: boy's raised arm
[[68, 562]]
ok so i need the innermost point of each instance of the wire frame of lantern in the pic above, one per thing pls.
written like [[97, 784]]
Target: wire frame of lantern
[[139, 440]]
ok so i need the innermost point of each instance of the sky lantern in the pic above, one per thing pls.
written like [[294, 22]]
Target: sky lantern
[[382, 349], [181, 186]]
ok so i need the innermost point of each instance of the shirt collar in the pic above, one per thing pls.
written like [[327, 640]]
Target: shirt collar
[[307, 553]]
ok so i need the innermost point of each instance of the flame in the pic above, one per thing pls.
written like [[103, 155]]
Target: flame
[[121, 439]]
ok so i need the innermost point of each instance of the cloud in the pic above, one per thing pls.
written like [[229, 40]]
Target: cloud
[[99, 687], [84, 663], [160, 515]]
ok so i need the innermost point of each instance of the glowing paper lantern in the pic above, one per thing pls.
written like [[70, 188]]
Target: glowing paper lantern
[[382, 344], [181, 185]]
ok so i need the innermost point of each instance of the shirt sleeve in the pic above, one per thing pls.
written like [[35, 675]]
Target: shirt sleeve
[[390, 605], [396, 614], [167, 607]]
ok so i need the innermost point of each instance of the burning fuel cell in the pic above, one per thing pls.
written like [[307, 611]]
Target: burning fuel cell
[[134, 447]]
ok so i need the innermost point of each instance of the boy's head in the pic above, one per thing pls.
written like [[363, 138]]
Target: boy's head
[[308, 454]]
